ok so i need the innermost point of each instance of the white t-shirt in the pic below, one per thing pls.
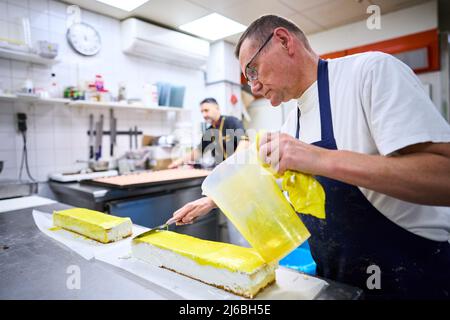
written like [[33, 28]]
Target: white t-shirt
[[378, 106]]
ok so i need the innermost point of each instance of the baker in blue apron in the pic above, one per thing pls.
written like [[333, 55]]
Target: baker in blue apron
[[378, 146], [355, 235], [381, 106]]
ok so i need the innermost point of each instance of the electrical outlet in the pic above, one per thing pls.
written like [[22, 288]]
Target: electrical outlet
[[22, 122]]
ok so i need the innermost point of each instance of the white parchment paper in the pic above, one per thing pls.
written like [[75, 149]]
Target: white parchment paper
[[290, 284]]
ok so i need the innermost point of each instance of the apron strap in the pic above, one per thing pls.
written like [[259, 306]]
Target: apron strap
[[326, 121]]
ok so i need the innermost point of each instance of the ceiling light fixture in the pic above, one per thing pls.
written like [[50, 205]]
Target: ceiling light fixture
[[213, 27], [128, 5]]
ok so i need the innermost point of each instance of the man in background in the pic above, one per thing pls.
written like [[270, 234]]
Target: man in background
[[222, 138]]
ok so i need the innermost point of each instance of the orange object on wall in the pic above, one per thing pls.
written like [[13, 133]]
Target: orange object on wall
[[426, 39]]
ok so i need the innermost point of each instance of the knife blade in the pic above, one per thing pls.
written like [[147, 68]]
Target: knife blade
[[91, 136], [112, 129], [136, 136], [101, 137], [160, 227], [97, 139]]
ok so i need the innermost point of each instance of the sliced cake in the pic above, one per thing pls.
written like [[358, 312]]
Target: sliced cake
[[93, 224], [236, 269]]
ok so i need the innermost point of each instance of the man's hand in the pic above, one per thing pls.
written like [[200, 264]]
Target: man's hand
[[283, 152], [192, 210], [175, 164], [417, 173]]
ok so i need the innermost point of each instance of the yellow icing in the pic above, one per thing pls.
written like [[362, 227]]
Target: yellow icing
[[216, 254], [90, 223]]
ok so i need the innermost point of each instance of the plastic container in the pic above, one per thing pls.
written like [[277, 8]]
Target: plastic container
[[301, 260], [250, 197]]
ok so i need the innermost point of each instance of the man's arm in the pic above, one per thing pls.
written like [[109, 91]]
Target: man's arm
[[418, 173], [191, 156]]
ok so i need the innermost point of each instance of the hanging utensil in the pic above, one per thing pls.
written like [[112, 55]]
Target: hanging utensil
[[136, 136], [130, 133], [91, 136], [113, 131]]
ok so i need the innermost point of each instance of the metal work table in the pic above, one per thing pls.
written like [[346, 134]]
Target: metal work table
[[86, 195], [34, 266]]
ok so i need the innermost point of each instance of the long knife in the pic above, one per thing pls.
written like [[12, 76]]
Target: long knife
[[113, 132], [101, 137], [91, 136], [161, 227]]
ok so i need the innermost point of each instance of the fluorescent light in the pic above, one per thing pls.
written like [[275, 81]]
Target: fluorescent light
[[213, 27], [126, 5]]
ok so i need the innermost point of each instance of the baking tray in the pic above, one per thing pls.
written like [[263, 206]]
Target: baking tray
[[147, 178]]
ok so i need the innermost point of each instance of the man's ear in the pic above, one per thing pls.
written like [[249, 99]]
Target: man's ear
[[283, 37]]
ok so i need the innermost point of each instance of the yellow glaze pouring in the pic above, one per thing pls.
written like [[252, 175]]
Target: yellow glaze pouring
[[216, 254], [250, 197]]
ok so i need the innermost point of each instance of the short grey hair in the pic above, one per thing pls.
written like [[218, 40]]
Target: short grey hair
[[261, 28]]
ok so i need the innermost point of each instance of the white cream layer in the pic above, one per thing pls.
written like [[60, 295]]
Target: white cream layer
[[239, 282]]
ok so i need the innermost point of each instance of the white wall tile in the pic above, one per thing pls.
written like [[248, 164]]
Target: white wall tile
[[8, 158], [22, 3], [39, 19], [57, 8], [3, 10], [45, 158], [4, 29], [44, 171], [63, 140], [57, 24], [44, 124], [7, 123], [9, 173], [5, 68], [15, 12], [39, 35], [15, 32], [20, 69], [8, 141], [44, 141], [39, 6], [5, 84], [6, 107]]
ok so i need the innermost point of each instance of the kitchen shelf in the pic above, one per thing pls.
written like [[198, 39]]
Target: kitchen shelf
[[81, 103], [26, 56]]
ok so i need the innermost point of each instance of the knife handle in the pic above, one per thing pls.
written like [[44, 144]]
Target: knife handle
[[91, 152], [112, 149]]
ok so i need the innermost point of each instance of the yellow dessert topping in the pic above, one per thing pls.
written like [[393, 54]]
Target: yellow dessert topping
[[93, 224], [216, 254]]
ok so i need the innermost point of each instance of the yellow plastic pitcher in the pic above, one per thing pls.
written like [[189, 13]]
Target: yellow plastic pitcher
[[249, 196]]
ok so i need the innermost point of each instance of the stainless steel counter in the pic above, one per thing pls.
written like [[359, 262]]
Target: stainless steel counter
[[34, 266], [85, 195]]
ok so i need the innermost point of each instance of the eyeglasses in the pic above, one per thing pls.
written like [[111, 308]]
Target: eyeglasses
[[251, 74]]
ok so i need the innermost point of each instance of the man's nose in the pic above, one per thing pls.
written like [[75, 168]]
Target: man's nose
[[256, 87]]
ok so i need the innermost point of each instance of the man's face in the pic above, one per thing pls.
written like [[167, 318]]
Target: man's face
[[210, 111], [270, 68]]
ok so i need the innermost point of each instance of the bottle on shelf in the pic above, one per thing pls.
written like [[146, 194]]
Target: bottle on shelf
[[54, 91], [99, 84]]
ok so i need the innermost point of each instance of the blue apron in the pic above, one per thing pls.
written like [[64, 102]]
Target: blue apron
[[355, 235]]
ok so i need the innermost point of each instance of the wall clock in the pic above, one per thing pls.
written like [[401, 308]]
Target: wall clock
[[84, 39]]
